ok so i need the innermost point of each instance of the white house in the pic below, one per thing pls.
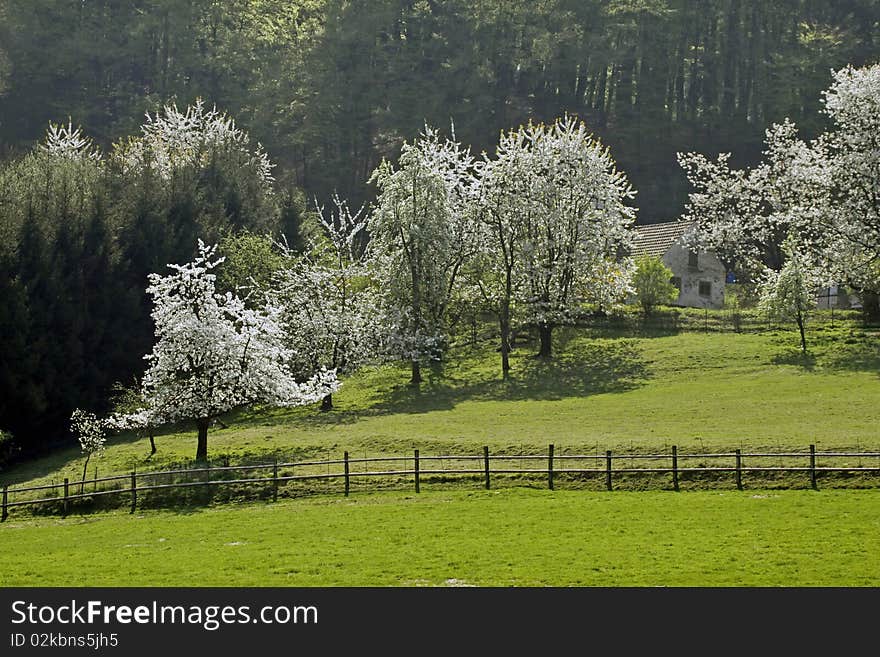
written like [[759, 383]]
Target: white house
[[700, 277]]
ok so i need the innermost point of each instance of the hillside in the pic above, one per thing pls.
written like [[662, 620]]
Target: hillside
[[607, 388], [621, 389]]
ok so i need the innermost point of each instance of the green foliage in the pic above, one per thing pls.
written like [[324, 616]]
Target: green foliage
[[81, 231], [296, 225], [739, 296], [652, 283], [790, 294], [332, 86], [8, 448], [251, 260], [64, 303]]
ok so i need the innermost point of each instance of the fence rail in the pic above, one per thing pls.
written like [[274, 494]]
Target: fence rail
[[728, 320], [602, 465]]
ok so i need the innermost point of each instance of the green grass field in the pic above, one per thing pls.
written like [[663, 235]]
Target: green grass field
[[606, 389], [512, 537]]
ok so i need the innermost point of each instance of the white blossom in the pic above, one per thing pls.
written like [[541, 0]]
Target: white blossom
[[214, 354], [555, 220], [63, 141], [607, 282], [422, 231], [790, 293], [848, 179], [329, 305], [825, 192], [89, 430], [171, 139]]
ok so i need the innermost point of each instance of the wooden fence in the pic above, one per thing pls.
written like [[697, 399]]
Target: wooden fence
[[725, 320], [418, 468]]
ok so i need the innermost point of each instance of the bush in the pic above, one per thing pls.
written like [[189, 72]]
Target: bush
[[8, 448], [653, 283]]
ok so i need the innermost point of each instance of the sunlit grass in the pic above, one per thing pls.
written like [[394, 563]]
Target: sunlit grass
[[510, 537], [603, 390]]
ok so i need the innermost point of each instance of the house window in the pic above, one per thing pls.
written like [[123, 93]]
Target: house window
[[705, 288], [693, 260], [676, 281]]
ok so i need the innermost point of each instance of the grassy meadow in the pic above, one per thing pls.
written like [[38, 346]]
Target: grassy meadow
[[511, 537], [605, 389]]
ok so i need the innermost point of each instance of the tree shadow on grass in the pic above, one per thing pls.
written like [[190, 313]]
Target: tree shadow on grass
[[834, 353], [797, 358], [580, 368], [584, 369], [638, 328], [51, 462], [588, 368], [854, 355], [269, 417]]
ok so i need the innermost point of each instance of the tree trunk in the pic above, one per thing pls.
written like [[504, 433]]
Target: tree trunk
[[417, 317], [85, 466], [416, 373], [202, 448], [504, 321], [327, 402], [800, 323], [545, 331], [870, 306], [152, 441]]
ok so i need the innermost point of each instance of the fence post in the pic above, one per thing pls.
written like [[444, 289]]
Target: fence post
[[345, 464], [134, 492], [550, 468], [813, 466], [275, 480], [486, 464], [739, 473], [608, 469], [66, 490], [5, 502], [675, 467], [416, 469]]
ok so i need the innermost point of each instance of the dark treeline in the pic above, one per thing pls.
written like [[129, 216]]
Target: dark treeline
[[81, 232], [330, 87]]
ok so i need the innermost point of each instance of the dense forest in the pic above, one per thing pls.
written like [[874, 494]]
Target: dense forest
[[329, 88]]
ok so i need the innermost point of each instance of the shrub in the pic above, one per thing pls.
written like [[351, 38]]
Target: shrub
[[8, 448], [652, 283]]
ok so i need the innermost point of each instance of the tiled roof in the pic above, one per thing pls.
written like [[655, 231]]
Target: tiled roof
[[655, 239]]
